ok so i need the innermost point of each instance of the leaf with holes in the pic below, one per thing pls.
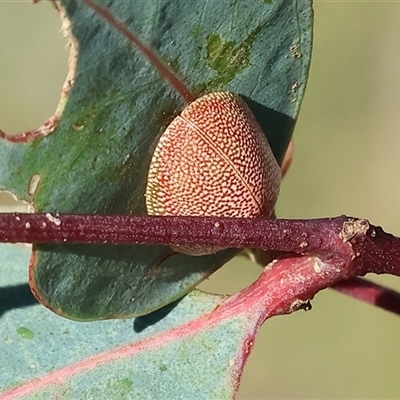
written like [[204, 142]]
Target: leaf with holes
[[115, 105]]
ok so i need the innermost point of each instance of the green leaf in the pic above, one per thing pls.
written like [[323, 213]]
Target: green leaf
[[96, 161], [166, 355]]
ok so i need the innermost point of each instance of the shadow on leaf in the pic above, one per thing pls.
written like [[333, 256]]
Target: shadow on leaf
[[142, 323], [17, 296]]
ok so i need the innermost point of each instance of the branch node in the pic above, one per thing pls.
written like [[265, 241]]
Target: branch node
[[352, 228], [299, 304]]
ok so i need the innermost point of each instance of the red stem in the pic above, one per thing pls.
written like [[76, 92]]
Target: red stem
[[370, 293], [340, 241], [320, 235], [163, 68], [339, 248]]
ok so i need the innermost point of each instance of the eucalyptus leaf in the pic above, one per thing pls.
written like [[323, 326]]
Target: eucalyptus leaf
[[96, 161]]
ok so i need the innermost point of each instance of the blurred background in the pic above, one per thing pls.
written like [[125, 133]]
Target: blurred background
[[346, 162]]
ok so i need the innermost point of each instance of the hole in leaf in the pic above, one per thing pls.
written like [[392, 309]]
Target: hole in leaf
[[8, 203], [33, 64]]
